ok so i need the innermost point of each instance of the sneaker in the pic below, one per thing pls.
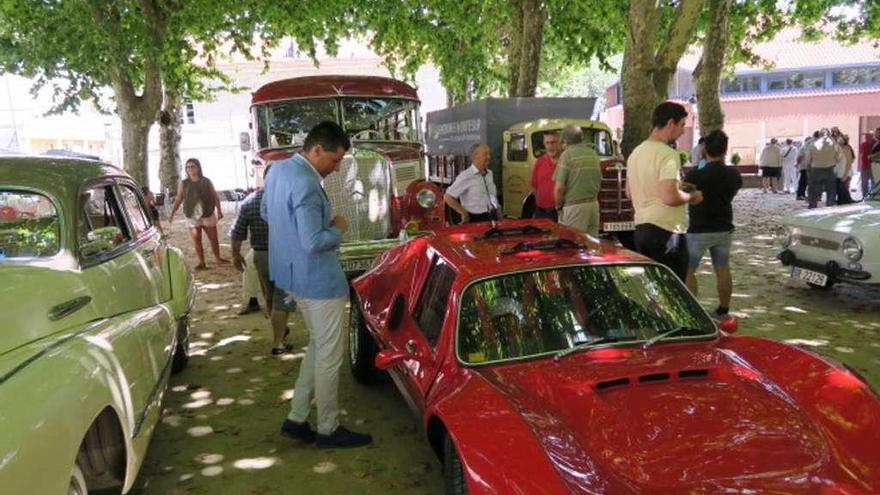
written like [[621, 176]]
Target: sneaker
[[286, 348], [343, 437], [298, 431]]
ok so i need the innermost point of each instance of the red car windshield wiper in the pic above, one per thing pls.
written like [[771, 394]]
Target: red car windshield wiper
[[592, 344], [674, 331]]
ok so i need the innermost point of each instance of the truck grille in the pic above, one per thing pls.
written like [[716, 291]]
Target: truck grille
[[404, 175], [361, 192]]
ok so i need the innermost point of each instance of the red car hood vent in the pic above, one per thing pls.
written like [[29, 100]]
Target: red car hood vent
[[651, 378], [664, 422]]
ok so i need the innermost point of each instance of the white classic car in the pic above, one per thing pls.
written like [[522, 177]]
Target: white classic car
[[837, 244]]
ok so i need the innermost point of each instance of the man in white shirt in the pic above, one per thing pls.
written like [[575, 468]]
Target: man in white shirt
[[473, 194], [789, 167], [654, 185], [771, 166]]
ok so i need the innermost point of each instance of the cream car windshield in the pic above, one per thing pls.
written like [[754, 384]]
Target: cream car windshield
[[537, 312], [381, 119], [29, 225]]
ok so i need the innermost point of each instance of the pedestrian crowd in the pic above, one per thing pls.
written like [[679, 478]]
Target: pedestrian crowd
[[823, 164]]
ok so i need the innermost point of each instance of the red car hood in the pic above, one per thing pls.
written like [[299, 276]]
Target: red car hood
[[667, 419]]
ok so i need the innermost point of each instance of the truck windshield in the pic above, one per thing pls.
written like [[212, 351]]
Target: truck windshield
[[286, 123], [599, 138], [536, 312]]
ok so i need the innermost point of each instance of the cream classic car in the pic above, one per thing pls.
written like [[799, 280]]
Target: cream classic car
[[836, 244]]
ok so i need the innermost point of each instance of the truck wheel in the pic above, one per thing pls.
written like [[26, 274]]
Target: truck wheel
[[453, 473], [361, 347], [181, 351], [77, 484]]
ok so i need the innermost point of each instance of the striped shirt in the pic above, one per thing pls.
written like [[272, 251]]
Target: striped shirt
[[249, 219]]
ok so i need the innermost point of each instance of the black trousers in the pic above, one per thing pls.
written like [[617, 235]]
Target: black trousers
[[664, 247], [843, 195], [802, 184], [546, 213], [481, 217]]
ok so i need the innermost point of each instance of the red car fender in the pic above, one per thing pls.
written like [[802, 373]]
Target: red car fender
[[829, 394], [498, 451]]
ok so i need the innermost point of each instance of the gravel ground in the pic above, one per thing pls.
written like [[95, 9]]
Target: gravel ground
[[219, 432]]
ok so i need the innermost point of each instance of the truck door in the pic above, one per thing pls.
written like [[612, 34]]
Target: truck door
[[516, 173]]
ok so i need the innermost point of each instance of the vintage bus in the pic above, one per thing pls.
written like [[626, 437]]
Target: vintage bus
[[381, 185]]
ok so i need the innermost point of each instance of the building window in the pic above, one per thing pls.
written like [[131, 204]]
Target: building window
[[190, 113], [742, 84], [796, 80], [857, 76]]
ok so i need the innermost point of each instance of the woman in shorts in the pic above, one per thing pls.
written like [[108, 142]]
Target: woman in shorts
[[201, 206]]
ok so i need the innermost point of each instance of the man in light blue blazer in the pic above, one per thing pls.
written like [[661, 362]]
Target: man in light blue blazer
[[303, 261]]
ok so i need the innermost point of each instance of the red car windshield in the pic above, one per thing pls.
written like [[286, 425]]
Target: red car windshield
[[538, 312]]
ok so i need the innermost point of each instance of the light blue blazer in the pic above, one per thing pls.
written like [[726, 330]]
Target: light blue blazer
[[303, 243]]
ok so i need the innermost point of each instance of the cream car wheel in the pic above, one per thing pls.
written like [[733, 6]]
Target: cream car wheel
[[77, 482]]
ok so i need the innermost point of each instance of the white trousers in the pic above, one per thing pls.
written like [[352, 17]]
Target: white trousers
[[319, 371], [250, 281]]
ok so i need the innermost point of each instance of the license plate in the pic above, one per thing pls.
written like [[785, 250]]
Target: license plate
[[617, 226], [356, 265], [809, 276]]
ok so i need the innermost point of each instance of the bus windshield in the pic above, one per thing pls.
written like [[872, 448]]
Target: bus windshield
[[286, 123]]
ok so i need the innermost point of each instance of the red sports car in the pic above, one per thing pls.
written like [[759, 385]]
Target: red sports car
[[543, 362]]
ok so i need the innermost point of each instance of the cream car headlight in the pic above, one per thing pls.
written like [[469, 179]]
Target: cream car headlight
[[852, 249], [426, 198]]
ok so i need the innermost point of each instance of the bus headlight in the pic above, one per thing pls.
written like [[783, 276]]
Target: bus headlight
[[852, 249], [426, 198]]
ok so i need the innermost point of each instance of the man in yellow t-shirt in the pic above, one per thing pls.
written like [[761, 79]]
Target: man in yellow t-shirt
[[653, 172]]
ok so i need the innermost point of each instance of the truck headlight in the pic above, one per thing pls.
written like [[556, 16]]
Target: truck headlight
[[852, 249], [426, 198]]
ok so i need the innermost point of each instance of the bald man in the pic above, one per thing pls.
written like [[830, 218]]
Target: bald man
[[473, 193]]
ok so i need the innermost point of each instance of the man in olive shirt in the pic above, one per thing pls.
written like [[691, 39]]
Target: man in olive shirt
[[821, 158], [578, 177], [653, 172]]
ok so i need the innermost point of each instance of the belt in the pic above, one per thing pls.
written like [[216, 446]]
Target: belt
[[579, 201], [260, 250]]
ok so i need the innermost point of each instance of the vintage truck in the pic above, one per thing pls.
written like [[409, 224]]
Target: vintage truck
[[381, 186], [514, 129]]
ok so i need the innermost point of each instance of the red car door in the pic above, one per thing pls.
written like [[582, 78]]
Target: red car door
[[419, 330]]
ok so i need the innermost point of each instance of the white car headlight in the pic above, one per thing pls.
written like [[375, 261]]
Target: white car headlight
[[852, 249], [426, 198]]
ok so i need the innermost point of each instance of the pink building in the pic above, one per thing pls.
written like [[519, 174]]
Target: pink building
[[810, 86]]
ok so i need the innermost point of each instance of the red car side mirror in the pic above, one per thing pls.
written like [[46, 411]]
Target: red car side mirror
[[389, 359], [728, 325]]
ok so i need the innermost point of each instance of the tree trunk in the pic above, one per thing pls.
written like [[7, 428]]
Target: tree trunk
[[649, 62], [135, 134], [637, 82], [534, 17], [707, 75], [514, 46], [169, 143], [526, 37]]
